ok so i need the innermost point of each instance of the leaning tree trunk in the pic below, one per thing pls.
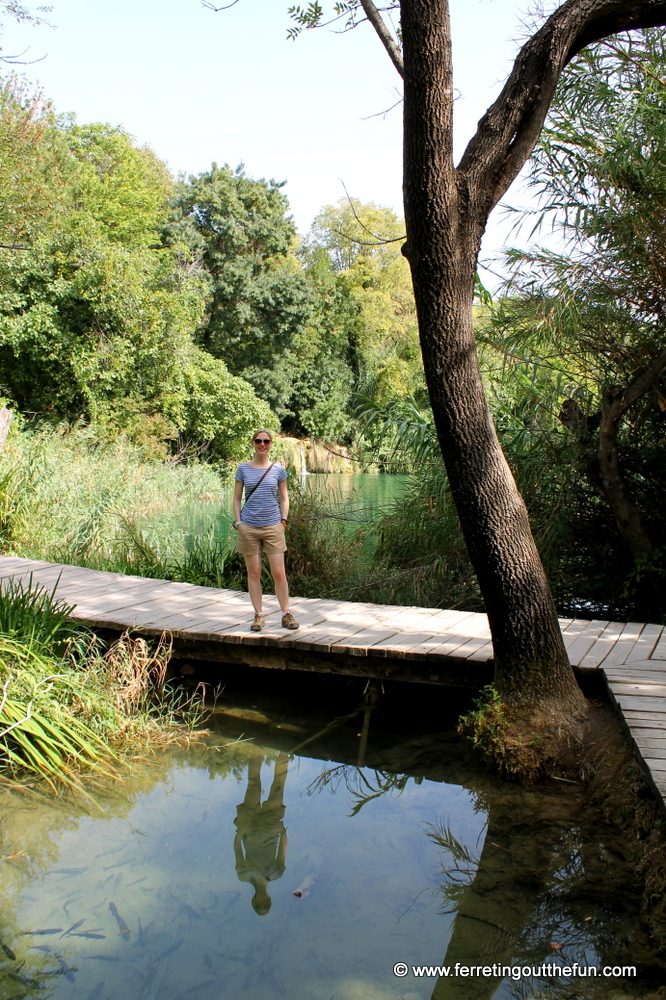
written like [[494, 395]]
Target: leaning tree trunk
[[444, 229]]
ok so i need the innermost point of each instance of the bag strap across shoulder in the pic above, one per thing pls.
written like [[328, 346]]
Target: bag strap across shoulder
[[256, 487]]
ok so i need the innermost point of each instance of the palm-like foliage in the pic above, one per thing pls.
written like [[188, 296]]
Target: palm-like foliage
[[592, 313], [399, 431], [39, 731]]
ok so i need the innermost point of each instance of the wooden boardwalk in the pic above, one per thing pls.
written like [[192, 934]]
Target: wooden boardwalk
[[422, 645]]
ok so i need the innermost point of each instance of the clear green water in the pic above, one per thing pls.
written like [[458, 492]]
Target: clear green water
[[357, 498], [144, 891]]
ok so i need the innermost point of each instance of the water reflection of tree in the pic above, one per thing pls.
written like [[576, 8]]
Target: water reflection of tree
[[363, 785], [546, 876]]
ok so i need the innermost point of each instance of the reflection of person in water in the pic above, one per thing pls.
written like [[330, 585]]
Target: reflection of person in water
[[260, 844]]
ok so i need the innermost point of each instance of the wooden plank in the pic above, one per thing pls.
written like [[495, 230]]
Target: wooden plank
[[657, 765], [626, 642], [322, 637], [647, 670], [473, 646], [581, 645], [449, 627], [573, 628], [659, 652], [645, 720], [634, 703], [646, 745], [362, 643], [660, 784], [639, 732], [602, 646], [483, 654], [405, 640], [651, 689], [654, 750], [12, 564], [647, 641], [470, 630], [75, 592], [399, 644], [636, 667], [152, 601]]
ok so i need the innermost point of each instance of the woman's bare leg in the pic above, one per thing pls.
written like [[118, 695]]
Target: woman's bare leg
[[276, 563], [253, 566]]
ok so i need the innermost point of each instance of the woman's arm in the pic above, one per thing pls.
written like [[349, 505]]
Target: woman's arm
[[238, 493], [283, 495]]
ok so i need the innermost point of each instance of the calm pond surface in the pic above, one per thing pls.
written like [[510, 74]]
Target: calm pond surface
[[239, 870], [355, 497]]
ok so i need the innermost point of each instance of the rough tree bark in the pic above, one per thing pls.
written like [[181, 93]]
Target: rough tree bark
[[446, 210]]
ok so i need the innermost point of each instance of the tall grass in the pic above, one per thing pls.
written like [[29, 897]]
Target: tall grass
[[420, 555], [64, 492], [32, 615], [66, 705], [42, 728]]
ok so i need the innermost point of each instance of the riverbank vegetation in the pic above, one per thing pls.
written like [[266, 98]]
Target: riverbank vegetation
[[148, 323], [71, 706]]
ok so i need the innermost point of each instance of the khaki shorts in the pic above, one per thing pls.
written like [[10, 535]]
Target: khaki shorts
[[252, 540]]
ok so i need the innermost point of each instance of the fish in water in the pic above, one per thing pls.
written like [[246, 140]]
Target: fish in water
[[304, 888], [137, 881], [45, 930], [89, 934], [67, 970], [104, 958], [8, 951], [234, 899], [199, 986], [124, 929], [143, 932], [117, 864], [96, 992], [73, 927], [72, 899], [208, 962], [41, 947], [170, 950]]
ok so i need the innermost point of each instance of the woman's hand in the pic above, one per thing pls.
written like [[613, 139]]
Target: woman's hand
[[284, 502]]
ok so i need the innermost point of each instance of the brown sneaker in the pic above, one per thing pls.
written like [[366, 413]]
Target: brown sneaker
[[288, 620], [257, 624]]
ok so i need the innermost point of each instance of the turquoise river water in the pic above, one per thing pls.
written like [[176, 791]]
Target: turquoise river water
[[240, 869]]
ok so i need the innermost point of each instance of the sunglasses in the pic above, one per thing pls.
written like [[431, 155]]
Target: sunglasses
[[262, 441]]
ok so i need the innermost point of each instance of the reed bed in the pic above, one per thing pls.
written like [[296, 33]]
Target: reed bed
[[70, 707], [64, 492]]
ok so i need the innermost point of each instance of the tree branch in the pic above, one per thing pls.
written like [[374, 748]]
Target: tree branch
[[508, 131], [375, 19], [641, 384]]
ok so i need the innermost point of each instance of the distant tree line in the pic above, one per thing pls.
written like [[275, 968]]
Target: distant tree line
[[169, 308], [177, 310]]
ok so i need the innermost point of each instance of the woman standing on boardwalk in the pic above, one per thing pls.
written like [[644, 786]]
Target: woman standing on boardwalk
[[261, 525]]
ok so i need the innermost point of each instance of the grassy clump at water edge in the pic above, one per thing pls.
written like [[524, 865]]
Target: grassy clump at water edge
[[67, 705]]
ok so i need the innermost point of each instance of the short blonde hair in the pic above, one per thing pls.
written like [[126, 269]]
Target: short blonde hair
[[262, 430]]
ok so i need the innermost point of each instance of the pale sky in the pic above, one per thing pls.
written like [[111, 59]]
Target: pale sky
[[199, 86]]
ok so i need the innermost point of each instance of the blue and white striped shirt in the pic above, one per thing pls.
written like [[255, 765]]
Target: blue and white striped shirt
[[262, 508]]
